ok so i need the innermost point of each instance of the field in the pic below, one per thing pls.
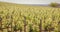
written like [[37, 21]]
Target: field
[[24, 18]]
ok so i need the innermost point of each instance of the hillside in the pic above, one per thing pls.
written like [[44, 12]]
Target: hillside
[[26, 18]]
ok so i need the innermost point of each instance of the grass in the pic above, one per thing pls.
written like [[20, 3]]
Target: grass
[[23, 16]]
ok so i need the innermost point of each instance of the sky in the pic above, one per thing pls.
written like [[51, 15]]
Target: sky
[[31, 1]]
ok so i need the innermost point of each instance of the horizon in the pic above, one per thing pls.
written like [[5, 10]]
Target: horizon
[[30, 1]]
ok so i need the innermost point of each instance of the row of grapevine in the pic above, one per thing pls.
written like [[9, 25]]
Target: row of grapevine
[[19, 18]]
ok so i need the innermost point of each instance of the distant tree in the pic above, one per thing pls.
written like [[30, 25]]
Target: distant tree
[[53, 4]]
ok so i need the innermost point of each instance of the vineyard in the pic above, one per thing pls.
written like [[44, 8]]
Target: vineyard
[[24, 18]]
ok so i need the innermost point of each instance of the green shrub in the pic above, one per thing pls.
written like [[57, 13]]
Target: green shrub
[[53, 4]]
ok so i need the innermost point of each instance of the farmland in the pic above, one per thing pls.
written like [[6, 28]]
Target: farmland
[[24, 18]]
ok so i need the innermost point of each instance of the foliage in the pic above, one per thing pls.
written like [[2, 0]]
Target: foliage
[[53, 4], [26, 15]]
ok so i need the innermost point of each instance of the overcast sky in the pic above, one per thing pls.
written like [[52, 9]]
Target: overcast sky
[[31, 1]]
